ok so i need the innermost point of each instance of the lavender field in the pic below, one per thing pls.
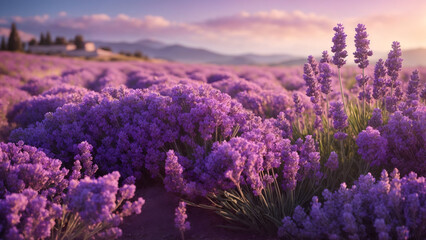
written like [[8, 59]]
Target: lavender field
[[329, 150]]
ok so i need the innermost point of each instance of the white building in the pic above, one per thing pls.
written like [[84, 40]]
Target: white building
[[89, 50]]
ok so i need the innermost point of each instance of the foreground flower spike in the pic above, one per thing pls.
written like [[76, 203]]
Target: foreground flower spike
[[361, 58], [180, 219], [376, 119], [362, 47], [379, 88], [387, 208], [339, 116], [394, 64], [332, 162], [413, 85], [314, 64], [325, 58], [339, 41], [311, 83]]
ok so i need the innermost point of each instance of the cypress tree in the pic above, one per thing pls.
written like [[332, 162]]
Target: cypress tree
[[48, 39], [14, 42], [79, 42], [3, 44], [42, 39], [32, 42]]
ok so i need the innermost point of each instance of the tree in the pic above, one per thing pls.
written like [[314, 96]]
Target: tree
[[42, 39], [60, 41], [14, 42], [106, 49], [79, 42], [3, 46], [48, 39], [32, 42]]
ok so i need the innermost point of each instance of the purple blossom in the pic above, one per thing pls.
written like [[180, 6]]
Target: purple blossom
[[298, 104], [338, 115], [180, 218], [372, 146], [393, 205], [339, 41], [376, 118], [413, 84], [325, 78], [314, 64], [325, 58], [340, 136], [379, 87], [173, 180], [362, 47], [312, 84], [332, 162], [394, 62]]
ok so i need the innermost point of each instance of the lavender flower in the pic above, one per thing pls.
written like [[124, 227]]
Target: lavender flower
[[298, 105], [394, 63], [339, 116], [314, 64], [180, 218], [376, 118], [311, 83], [325, 78], [339, 41], [412, 90], [325, 58], [362, 47], [173, 180], [379, 88], [332, 162], [392, 204], [372, 146]]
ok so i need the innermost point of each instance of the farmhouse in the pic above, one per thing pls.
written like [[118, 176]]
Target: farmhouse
[[70, 49]]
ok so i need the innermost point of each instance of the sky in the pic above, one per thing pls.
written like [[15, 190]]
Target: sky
[[297, 27]]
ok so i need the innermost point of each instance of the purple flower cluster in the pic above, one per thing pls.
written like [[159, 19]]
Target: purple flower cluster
[[35, 194], [180, 218], [338, 115], [32, 110], [394, 63], [362, 47], [325, 78], [311, 82], [339, 41], [372, 146], [379, 83], [389, 208], [400, 143], [27, 215]]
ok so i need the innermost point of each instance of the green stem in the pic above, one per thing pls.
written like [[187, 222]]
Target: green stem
[[363, 91], [341, 89]]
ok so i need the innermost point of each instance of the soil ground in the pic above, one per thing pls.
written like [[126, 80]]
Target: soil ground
[[156, 221]]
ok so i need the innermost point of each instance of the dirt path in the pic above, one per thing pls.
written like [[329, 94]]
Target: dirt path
[[156, 221]]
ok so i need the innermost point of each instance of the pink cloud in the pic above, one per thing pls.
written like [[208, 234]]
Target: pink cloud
[[62, 14], [23, 35], [263, 31]]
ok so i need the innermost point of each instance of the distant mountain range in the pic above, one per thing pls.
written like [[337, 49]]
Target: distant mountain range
[[180, 53]]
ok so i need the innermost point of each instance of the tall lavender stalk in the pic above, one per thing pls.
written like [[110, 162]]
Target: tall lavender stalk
[[340, 53], [361, 57], [379, 88], [394, 64], [325, 80]]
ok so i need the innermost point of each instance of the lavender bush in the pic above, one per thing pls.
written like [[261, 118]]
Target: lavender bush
[[389, 208]]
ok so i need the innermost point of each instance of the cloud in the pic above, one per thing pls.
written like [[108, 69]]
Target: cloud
[[23, 35], [62, 14], [271, 31]]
